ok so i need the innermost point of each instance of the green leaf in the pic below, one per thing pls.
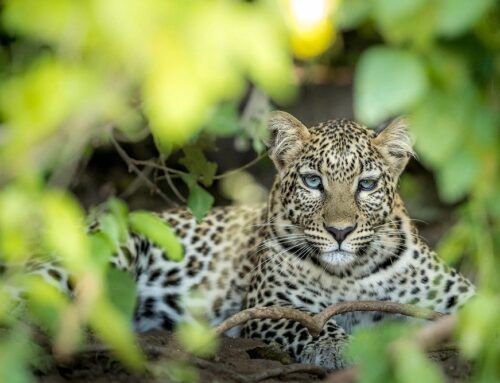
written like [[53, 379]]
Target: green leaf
[[406, 21], [197, 338], [45, 303], [456, 243], [64, 230], [457, 16], [15, 355], [411, 364], [101, 249], [225, 120], [478, 323], [115, 329], [199, 201], [388, 81], [120, 211], [155, 229], [352, 13], [439, 124], [122, 291], [457, 175], [366, 349], [109, 225], [195, 161]]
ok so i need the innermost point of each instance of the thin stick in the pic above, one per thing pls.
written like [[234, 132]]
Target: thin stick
[[130, 162], [315, 324], [170, 182]]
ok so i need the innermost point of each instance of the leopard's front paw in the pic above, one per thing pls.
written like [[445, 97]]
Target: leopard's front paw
[[326, 353]]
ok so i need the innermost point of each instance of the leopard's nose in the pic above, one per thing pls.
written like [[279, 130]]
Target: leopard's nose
[[340, 233]]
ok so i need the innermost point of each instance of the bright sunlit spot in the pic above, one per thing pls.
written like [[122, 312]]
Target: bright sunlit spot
[[311, 29], [307, 13]]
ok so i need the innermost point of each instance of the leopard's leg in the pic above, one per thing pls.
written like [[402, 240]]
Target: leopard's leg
[[324, 350]]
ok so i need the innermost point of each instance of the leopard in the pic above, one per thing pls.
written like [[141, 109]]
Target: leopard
[[334, 229]]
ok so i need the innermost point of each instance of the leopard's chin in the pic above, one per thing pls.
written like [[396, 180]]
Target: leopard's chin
[[337, 258]]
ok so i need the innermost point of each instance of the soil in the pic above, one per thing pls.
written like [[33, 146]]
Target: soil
[[237, 360]]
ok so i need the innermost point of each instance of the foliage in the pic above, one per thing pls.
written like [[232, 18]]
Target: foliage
[[82, 72]]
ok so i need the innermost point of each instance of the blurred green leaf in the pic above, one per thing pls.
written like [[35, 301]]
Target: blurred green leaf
[[478, 323], [120, 211], [101, 249], [406, 21], [455, 243], [366, 349], [115, 329], [198, 338], [45, 302], [122, 291], [158, 231], [14, 358], [199, 201], [108, 224], [388, 81], [439, 123], [195, 161], [65, 230], [352, 13], [457, 175], [456, 16], [411, 363], [225, 120]]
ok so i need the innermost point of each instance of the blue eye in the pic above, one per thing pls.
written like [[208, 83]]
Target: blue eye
[[367, 184], [312, 181]]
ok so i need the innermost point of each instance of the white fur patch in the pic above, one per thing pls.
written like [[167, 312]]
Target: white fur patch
[[337, 258]]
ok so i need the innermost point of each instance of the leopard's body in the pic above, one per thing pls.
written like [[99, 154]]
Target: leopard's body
[[309, 247]]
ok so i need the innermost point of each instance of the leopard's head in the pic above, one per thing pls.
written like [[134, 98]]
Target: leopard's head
[[336, 185]]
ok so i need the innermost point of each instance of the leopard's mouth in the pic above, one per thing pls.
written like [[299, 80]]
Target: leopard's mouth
[[337, 258]]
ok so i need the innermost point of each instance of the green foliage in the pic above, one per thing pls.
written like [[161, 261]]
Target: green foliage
[[122, 290], [199, 200], [388, 81], [154, 228], [198, 338], [388, 354]]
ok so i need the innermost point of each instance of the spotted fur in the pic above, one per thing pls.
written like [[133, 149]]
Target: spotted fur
[[290, 252]]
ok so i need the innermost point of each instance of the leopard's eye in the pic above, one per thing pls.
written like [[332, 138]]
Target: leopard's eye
[[367, 184], [312, 181]]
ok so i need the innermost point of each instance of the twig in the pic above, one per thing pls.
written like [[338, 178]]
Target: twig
[[170, 183], [131, 165], [136, 184], [180, 172], [315, 323], [243, 167]]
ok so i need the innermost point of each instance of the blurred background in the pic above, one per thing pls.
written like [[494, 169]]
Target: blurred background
[[164, 103]]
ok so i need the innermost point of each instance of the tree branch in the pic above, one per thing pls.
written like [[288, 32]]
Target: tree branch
[[314, 324]]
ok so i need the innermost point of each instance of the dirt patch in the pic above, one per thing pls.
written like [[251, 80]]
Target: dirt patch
[[238, 360]]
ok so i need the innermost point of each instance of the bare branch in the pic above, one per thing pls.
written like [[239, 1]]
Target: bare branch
[[315, 323], [133, 167]]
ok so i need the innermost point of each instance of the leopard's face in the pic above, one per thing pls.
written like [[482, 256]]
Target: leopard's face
[[337, 185]]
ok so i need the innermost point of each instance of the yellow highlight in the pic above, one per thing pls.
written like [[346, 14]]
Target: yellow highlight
[[311, 27]]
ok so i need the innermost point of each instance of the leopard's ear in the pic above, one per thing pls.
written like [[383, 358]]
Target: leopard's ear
[[395, 144], [287, 135]]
